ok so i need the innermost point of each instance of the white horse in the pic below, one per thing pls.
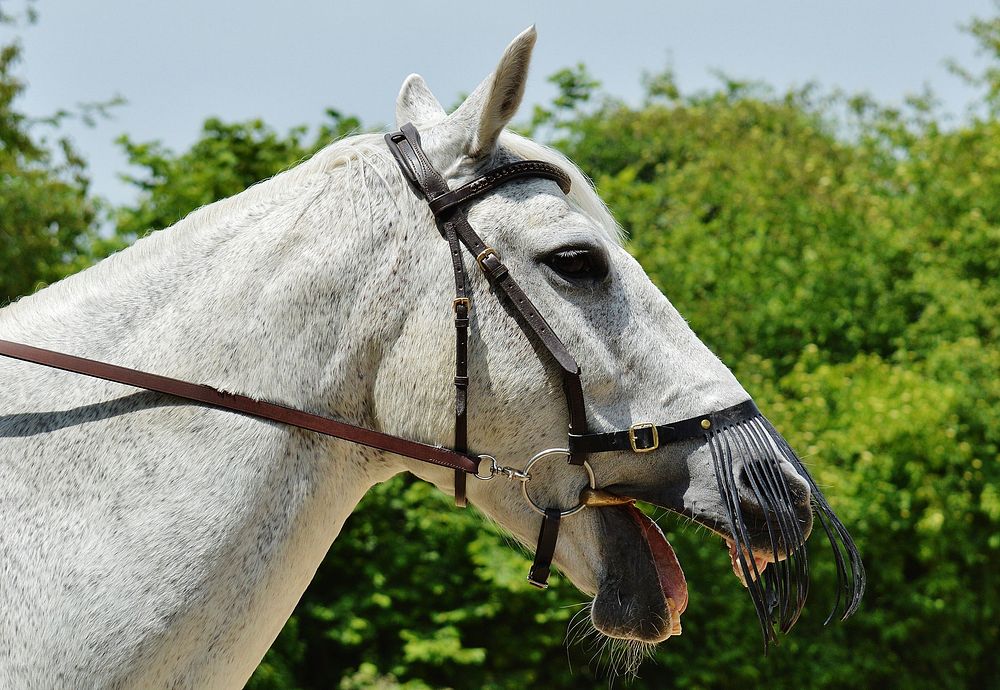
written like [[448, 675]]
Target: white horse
[[151, 543]]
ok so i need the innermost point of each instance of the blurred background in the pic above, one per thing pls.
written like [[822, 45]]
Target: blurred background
[[815, 187]]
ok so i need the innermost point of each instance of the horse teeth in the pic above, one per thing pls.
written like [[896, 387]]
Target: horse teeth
[[675, 617]]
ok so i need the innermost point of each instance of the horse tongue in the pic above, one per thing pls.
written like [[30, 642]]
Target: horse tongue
[[668, 568]]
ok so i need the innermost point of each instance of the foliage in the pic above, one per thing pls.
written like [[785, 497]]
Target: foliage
[[46, 215], [226, 159]]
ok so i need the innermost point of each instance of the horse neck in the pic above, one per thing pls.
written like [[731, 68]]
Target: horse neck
[[276, 300], [258, 298]]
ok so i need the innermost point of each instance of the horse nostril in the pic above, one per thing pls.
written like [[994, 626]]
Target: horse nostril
[[755, 477], [758, 478]]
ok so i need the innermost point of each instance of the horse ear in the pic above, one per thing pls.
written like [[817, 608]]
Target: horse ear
[[492, 105], [416, 103]]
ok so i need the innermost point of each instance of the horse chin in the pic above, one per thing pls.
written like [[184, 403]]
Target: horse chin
[[642, 593]]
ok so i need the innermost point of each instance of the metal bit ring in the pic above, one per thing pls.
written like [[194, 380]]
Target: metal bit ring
[[564, 452]]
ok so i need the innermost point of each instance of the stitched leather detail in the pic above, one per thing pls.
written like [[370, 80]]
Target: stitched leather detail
[[497, 177]]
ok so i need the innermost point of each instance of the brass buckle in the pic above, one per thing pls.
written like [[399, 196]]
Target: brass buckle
[[485, 253], [631, 437], [461, 300]]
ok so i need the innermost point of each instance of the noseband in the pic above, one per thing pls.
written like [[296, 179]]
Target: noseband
[[448, 206]]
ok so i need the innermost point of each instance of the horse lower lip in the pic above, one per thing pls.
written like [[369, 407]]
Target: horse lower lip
[[668, 568]]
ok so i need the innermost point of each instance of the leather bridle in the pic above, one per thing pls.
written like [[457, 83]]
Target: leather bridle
[[447, 206]]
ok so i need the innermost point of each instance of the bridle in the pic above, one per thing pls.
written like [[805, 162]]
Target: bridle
[[447, 206]]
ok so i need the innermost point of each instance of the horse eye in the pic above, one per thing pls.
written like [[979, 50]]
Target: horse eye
[[578, 263]]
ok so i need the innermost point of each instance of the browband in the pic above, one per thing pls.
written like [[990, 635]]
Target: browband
[[496, 177]]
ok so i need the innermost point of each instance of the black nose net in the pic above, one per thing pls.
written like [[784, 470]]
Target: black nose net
[[760, 506]]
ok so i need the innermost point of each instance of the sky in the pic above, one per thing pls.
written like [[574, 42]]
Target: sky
[[181, 61]]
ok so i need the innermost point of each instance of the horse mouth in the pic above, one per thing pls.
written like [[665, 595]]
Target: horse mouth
[[621, 608], [656, 613]]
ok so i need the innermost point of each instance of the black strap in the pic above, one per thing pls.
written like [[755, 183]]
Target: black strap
[[445, 205], [539, 573], [643, 438], [405, 147]]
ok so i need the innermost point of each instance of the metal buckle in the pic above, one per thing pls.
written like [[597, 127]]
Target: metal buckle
[[536, 583], [485, 253], [494, 468], [631, 437], [461, 300]]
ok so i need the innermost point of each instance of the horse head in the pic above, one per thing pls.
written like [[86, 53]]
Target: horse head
[[641, 365]]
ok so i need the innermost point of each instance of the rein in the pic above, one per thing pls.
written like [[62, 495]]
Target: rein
[[446, 205]]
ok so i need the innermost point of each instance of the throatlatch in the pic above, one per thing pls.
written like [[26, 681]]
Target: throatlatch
[[454, 225]]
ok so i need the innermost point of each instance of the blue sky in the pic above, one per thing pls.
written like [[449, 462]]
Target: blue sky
[[180, 61]]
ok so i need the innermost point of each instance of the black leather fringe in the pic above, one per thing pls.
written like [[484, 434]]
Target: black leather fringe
[[754, 448]]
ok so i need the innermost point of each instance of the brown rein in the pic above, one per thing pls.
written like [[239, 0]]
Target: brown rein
[[235, 402]]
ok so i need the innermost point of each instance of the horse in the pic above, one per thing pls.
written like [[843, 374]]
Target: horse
[[150, 542]]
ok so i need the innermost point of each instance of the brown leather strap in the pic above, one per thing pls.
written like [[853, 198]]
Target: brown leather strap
[[547, 535], [405, 147], [643, 438], [531, 321], [240, 403], [496, 177], [460, 306], [445, 205]]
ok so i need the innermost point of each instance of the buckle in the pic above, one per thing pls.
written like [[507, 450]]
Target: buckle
[[461, 301], [639, 427], [536, 583], [483, 256]]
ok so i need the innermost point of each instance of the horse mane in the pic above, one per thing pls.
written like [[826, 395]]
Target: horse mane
[[159, 243], [364, 151]]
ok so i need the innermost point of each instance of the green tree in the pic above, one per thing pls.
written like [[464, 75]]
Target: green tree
[[46, 215], [226, 159]]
